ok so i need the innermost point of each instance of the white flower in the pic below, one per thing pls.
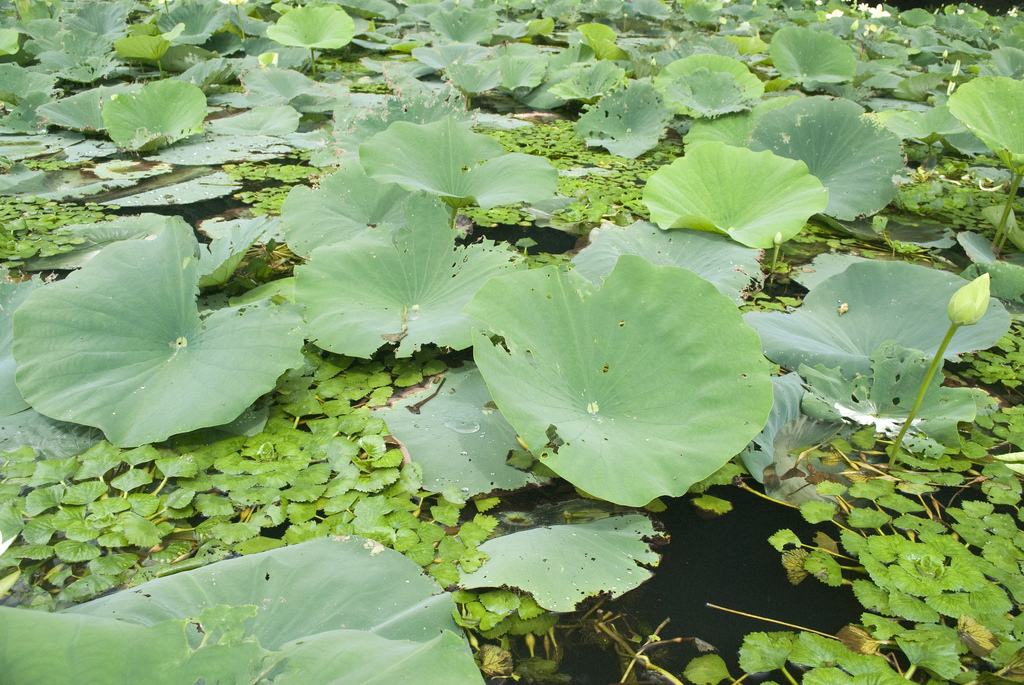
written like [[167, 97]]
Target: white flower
[[1012, 12], [233, 2], [4, 544], [890, 427], [833, 14]]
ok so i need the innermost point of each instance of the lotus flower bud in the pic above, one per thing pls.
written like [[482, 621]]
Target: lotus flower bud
[[970, 303], [778, 239]]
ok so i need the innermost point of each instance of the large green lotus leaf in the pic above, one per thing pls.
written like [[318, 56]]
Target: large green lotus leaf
[[143, 365], [77, 55], [627, 122], [458, 436], [851, 155], [458, 165], [750, 196], [884, 399], [321, 28], [713, 257], [342, 206], [993, 109], [263, 615], [708, 85], [588, 82], [443, 56], [886, 301], [811, 57], [156, 115], [563, 565], [410, 288], [636, 399], [929, 126], [475, 78], [11, 297]]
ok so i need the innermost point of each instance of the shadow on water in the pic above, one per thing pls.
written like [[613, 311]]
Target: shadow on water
[[727, 561]]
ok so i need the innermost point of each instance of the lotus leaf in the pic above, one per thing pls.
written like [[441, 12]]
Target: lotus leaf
[[853, 157], [89, 239], [263, 615], [750, 196], [342, 206], [588, 82], [199, 21], [277, 120], [463, 24], [602, 39], [627, 122], [884, 398], [140, 366], [11, 296], [410, 288], [792, 473], [102, 18], [460, 166], [605, 375], [563, 565], [17, 82], [1005, 61], [991, 108], [876, 295], [320, 28], [156, 115], [812, 57], [787, 392], [458, 436], [82, 111], [272, 86], [219, 259], [475, 78], [731, 129], [522, 66], [708, 85], [443, 56], [77, 55], [715, 258], [50, 439]]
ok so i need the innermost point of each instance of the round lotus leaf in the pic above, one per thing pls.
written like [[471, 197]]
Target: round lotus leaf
[[713, 257], [993, 109], [563, 565], [630, 392], [810, 57], [852, 156], [708, 85], [120, 345], [156, 115], [844, 320], [460, 166], [321, 28], [408, 289], [750, 196]]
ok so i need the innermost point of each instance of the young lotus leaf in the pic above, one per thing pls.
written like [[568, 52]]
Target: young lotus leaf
[[614, 389], [156, 115], [750, 196], [627, 122], [601, 39], [409, 289], [11, 296], [458, 165], [884, 301], [342, 206], [812, 57], [320, 28], [563, 565], [991, 108], [884, 398], [852, 156], [259, 616], [713, 257], [219, 259], [167, 358], [459, 438], [708, 85]]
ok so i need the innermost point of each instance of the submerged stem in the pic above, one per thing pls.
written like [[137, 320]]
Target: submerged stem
[[1000, 236], [936, 362]]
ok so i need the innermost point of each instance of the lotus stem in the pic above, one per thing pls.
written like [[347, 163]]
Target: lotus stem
[[936, 362], [312, 63], [1000, 236], [241, 26]]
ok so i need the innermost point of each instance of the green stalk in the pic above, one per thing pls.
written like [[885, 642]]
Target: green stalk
[[241, 26], [312, 63], [921, 393], [1000, 237]]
